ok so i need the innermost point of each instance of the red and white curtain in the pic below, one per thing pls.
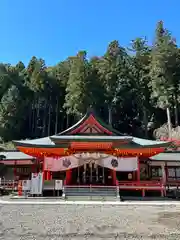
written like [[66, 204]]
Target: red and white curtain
[[120, 164], [108, 161]]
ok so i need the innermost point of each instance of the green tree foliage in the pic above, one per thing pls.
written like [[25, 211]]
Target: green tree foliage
[[111, 70], [164, 72], [77, 97], [131, 88], [140, 74], [162, 66]]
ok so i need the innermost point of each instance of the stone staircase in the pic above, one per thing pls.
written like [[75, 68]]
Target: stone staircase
[[92, 193]]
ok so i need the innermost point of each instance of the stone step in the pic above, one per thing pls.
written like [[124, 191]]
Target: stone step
[[90, 193], [91, 198]]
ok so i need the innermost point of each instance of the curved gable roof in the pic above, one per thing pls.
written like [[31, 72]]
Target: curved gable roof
[[90, 124]]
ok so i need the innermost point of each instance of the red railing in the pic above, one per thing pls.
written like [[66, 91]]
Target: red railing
[[173, 182], [141, 185], [9, 184]]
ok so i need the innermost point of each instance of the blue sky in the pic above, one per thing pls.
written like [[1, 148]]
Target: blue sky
[[56, 29]]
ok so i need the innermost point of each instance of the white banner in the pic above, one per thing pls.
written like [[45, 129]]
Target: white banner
[[36, 183], [26, 185], [104, 160], [119, 164], [61, 164], [58, 184]]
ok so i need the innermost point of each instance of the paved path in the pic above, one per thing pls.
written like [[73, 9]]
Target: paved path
[[8, 201], [56, 222]]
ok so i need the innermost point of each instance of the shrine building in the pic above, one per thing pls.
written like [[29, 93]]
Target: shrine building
[[93, 153]]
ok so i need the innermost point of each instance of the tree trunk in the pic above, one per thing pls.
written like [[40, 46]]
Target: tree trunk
[[33, 113], [38, 117], [110, 115], [49, 120], [44, 119], [35, 117], [176, 116], [30, 118], [169, 122], [176, 112], [57, 112], [145, 121], [67, 120]]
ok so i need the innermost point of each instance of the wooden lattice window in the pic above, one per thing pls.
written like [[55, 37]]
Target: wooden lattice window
[[156, 172], [173, 173]]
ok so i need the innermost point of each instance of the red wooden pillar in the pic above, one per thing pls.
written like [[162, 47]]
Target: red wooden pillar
[[68, 176], [113, 172], [48, 175], [44, 172], [44, 175], [138, 170]]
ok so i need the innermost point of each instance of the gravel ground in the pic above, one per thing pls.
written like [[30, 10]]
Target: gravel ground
[[56, 222]]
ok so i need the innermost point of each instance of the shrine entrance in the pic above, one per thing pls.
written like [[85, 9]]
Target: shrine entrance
[[92, 174]]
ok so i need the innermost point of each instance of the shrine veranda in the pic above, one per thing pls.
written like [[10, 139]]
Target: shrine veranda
[[93, 154]]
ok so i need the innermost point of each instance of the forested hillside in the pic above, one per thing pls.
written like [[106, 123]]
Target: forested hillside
[[136, 89]]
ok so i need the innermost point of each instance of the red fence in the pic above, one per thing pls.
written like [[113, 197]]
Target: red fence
[[9, 184], [143, 186]]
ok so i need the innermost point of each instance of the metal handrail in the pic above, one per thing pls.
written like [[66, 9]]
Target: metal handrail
[[89, 186]]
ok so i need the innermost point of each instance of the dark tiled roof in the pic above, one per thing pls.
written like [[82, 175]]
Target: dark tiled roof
[[15, 156], [167, 156]]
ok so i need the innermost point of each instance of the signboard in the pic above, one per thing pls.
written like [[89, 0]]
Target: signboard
[[26, 185], [58, 184], [36, 183]]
